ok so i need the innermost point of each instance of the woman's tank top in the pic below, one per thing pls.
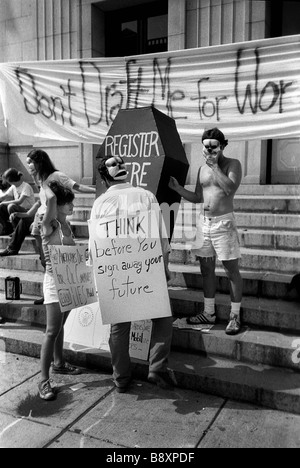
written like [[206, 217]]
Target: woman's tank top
[[57, 237]]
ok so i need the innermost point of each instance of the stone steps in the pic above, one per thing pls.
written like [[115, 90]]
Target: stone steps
[[263, 284], [260, 365], [252, 259], [267, 284], [251, 345], [255, 220], [270, 203], [250, 239], [31, 281], [267, 239], [273, 343], [270, 240], [271, 314], [28, 246], [264, 218], [285, 204], [273, 387], [264, 190]]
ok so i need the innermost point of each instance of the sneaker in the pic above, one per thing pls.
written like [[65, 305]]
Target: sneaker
[[39, 301], [66, 369], [202, 319], [7, 253], [234, 326], [46, 392], [162, 380], [123, 389]]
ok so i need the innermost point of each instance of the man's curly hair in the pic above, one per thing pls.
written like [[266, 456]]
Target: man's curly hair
[[215, 134]]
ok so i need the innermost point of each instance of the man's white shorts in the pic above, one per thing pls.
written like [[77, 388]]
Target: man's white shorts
[[217, 237]]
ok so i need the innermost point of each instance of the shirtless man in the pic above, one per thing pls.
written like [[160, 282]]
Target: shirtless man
[[217, 183]]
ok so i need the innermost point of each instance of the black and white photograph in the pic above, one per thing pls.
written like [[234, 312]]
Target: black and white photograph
[[149, 226]]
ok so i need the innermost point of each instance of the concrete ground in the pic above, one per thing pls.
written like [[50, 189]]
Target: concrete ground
[[89, 413]]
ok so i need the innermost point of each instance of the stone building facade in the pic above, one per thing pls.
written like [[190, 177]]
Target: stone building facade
[[39, 30]]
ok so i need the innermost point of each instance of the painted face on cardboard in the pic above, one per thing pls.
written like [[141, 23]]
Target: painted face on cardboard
[[116, 168], [211, 149]]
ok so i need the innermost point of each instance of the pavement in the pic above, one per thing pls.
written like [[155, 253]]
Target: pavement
[[89, 413]]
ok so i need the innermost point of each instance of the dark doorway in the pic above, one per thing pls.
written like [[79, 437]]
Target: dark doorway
[[282, 155], [285, 18], [137, 30]]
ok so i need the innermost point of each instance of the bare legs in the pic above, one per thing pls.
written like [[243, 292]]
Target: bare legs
[[52, 348], [231, 267], [236, 282]]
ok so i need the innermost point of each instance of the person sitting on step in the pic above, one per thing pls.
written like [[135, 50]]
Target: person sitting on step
[[4, 186], [19, 198]]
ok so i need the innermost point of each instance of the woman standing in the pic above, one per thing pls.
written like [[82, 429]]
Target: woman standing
[[55, 230], [43, 171]]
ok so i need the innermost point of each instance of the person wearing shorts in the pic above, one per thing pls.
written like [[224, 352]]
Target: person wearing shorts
[[56, 230], [44, 172], [217, 236]]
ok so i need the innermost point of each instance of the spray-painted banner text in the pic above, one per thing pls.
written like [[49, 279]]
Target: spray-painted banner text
[[250, 90]]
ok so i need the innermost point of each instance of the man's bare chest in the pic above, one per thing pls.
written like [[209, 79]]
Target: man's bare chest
[[207, 176]]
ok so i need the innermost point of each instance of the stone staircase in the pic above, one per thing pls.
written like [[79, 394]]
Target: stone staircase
[[261, 365]]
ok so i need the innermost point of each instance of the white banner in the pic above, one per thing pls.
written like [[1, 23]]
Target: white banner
[[251, 90]]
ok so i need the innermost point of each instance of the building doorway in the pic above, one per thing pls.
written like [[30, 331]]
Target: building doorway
[[283, 156], [142, 29]]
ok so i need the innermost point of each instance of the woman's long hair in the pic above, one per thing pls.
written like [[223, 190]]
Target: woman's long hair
[[42, 163]]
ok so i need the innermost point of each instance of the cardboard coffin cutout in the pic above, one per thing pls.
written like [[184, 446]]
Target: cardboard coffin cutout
[[149, 143]]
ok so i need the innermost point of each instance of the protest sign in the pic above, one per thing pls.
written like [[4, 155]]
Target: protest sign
[[129, 268], [140, 339], [84, 327], [150, 145], [74, 280]]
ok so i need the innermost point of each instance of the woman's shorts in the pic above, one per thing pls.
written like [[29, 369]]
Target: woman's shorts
[[37, 224], [217, 237], [49, 290]]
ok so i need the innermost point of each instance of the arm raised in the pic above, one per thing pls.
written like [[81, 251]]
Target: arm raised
[[192, 197]]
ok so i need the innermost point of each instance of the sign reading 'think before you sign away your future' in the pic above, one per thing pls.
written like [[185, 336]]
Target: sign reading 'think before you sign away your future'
[[129, 268]]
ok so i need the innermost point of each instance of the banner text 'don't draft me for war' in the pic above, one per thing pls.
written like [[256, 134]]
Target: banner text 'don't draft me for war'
[[251, 90]]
